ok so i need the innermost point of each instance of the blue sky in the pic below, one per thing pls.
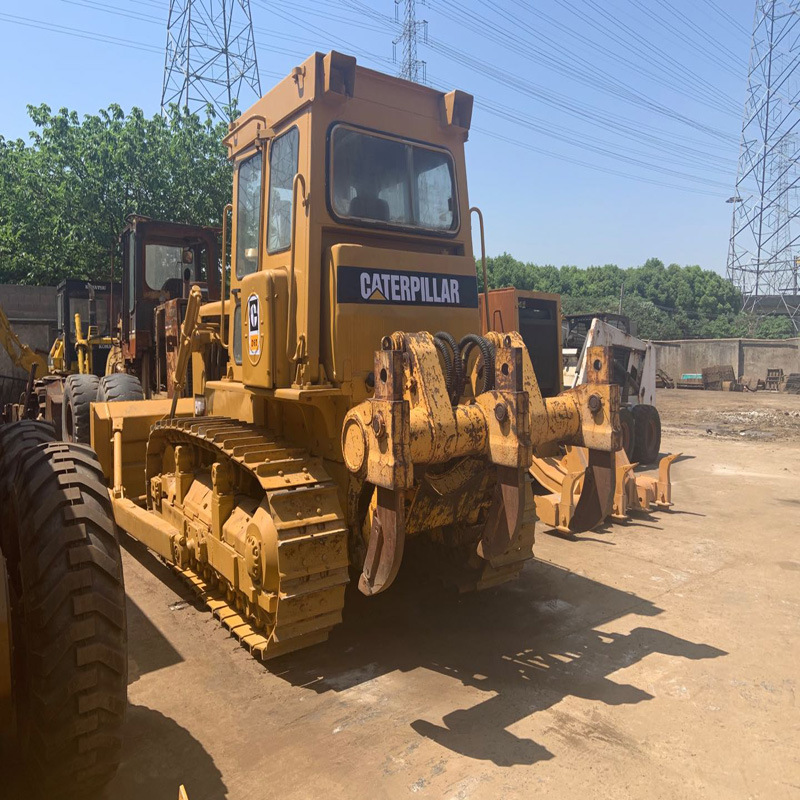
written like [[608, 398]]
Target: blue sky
[[604, 131]]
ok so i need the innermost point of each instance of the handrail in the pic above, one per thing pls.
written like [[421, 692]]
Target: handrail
[[228, 207], [291, 354], [476, 210], [241, 124]]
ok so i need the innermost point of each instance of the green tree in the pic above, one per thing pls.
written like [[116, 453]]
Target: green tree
[[665, 302], [65, 195]]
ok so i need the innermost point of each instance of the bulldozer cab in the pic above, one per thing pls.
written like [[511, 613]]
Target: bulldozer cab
[[350, 220], [92, 301], [160, 262]]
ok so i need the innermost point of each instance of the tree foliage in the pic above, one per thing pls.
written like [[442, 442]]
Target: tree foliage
[[65, 194], [665, 302]]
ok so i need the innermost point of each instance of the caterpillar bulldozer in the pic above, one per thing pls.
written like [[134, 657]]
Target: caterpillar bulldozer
[[358, 405]]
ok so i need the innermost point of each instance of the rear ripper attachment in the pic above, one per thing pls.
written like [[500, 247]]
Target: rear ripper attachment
[[558, 486], [414, 435]]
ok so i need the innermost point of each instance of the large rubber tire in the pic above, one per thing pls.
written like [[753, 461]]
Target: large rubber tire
[[68, 623], [648, 434], [80, 391], [119, 386], [15, 440], [628, 429]]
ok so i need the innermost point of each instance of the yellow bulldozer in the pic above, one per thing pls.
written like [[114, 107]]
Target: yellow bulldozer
[[359, 404], [346, 394]]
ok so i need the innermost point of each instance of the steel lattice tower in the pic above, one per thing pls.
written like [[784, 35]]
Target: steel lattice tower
[[411, 68], [211, 55], [764, 250]]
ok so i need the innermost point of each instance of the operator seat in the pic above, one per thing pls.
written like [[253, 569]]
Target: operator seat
[[369, 207]]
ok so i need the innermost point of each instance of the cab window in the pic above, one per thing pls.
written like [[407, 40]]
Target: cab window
[[282, 169], [163, 263], [381, 179], [248, 215]]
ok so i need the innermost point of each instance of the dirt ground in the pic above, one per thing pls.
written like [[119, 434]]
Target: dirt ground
[[657, 659], [749, 415]]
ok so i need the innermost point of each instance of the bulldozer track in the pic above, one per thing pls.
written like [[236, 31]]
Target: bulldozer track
[[311, 552]]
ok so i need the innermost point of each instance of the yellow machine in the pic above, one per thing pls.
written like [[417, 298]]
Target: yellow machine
[[359, 404], [558, 474], [77, 361], [21, 354]]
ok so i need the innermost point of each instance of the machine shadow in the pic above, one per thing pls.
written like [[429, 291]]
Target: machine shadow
[[527, 644], [158, 654], [158, 755]]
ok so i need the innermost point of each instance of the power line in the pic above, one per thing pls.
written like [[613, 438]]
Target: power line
[[591, 165], [78, 33], [659, 155], [702, 161], [735, 24], [575, 67]]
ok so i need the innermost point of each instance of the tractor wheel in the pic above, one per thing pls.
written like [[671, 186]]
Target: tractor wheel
[[648, 434], [69, 666], [80, 391], [628, 429], [119, 386]]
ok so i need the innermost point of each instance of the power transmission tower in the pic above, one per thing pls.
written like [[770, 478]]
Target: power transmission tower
[[211, 55], [411, 68], [764, 250]]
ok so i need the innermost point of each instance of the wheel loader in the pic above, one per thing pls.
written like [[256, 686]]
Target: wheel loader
[[359, 405]]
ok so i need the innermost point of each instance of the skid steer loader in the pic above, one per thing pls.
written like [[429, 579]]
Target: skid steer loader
[[359, 405]]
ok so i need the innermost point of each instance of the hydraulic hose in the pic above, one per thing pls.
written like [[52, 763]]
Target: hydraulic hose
[[486, 349], [451, 354], [444, 352]]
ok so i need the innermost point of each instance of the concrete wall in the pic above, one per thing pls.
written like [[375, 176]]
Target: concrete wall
[[32, 313], [751, 357]]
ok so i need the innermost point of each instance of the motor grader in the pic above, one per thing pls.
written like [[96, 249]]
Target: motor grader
[[359, 406], [161, 261]]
